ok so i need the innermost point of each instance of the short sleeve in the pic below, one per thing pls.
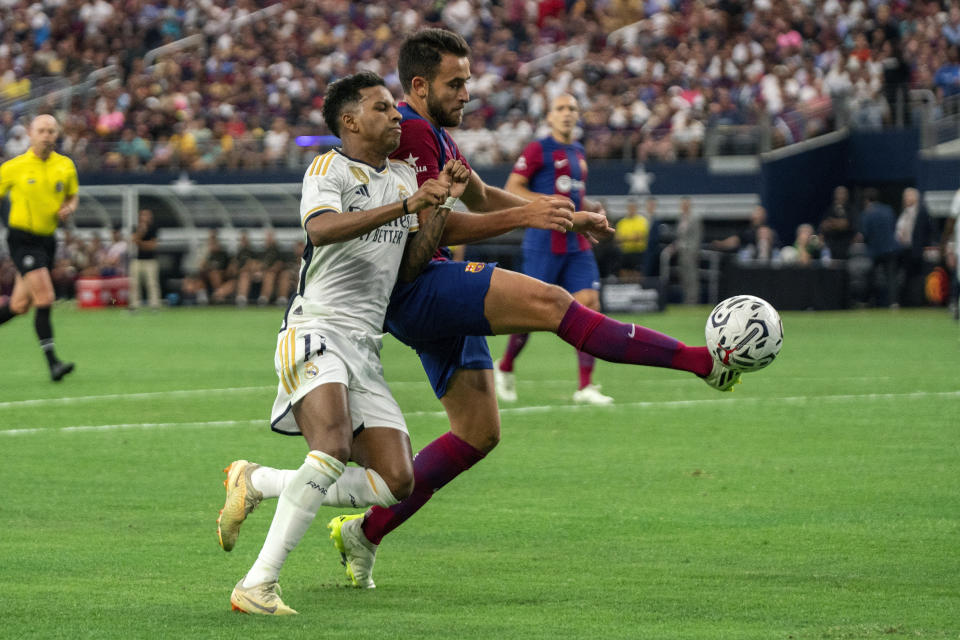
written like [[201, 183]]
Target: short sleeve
[[530, 161], [320, 194], [72, 184], [5, 182]]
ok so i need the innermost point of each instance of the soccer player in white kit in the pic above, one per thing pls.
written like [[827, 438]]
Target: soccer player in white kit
[[360, 213]]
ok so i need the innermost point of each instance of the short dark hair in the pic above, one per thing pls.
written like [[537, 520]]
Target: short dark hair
[[343, 92], [421, 53], [871, 195]]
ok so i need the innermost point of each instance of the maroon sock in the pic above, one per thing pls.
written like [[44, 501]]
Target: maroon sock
[[614, 341], [514, 346], [585, 362], [437, 464]]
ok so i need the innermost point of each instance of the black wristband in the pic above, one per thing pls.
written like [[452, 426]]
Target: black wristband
[[405, 210]]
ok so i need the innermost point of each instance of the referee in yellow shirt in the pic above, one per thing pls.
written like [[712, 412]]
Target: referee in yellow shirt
[[42, 185]]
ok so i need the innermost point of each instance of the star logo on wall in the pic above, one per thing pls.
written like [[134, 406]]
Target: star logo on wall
[[639, 180]]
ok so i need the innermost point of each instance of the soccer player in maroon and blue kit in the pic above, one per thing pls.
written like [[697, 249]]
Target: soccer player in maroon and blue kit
[[447, 310], [556, 164]]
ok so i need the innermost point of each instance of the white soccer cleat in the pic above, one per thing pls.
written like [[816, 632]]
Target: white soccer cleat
[[721, 377], [505, 383], [261, 599], [242, 498], [357, 553], [590, 394]]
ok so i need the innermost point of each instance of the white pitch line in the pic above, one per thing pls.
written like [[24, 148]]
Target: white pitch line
[[661, 404], [174, 393], [130, 425], [180, 393]]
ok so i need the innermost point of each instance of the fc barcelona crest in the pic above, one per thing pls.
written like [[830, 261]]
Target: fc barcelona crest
[[474, 267]]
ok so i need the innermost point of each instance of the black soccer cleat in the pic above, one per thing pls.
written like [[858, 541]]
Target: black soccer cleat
[[59, 369]]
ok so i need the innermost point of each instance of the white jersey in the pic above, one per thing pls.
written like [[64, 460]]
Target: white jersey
[[347, 285]]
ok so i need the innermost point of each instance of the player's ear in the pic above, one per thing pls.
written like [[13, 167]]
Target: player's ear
[[420, 86], [348, 122]]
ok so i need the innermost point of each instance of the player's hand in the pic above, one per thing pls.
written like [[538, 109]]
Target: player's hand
[[549, 212], [592, 224], [64, 212], [431, 193], [457, 176]]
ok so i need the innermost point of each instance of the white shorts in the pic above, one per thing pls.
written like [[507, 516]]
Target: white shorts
[[309, 356]]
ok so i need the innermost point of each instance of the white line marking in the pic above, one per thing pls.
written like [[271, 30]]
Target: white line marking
[[131, 425], [180, 393], [175, 393], [663, 404]]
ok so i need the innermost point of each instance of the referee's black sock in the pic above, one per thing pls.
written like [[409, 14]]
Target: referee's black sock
[[41, 321], [5, 313]]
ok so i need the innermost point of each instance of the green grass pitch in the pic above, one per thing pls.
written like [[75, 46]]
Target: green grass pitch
[[821, 500]]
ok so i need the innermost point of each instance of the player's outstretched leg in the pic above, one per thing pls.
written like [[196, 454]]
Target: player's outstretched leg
[[516, 303]]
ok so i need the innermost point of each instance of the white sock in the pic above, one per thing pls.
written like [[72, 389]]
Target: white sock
[[271, 482], [296, 509], [359, 488]]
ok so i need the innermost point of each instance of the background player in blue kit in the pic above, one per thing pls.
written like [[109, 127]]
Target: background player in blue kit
[[556, 164]]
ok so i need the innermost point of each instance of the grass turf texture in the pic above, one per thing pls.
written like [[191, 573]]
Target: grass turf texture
[[818, 501]]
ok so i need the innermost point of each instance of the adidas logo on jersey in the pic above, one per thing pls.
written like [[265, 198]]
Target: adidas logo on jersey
[[362, 191]]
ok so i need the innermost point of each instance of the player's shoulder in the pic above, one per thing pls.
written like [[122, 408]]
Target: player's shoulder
[[62, 160], [322, 164]]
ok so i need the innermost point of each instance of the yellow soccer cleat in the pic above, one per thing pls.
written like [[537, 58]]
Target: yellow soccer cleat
[[357, 553], [261, 599], [722, 378], [242, 498]]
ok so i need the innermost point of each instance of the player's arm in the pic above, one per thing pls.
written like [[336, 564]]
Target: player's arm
[[329, 226], [423, 244], [483, 198], [69, 205], [521, 212]]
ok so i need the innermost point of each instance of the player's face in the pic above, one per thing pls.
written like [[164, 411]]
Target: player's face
[[448, 91], [43, 134], [563, 116], [379, 119]]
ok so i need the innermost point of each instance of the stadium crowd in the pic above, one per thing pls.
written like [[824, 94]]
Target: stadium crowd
[[652, 77]]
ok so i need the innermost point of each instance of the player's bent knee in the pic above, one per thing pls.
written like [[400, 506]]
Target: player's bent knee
[[400, 482], [19, 307]]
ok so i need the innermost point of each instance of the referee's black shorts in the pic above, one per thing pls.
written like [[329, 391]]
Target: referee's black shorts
[[30, 251]]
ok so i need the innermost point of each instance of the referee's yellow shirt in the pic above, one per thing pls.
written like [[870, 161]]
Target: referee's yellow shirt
[[37, 190]]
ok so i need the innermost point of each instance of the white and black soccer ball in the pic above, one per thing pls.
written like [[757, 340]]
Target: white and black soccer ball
[[744, 333]]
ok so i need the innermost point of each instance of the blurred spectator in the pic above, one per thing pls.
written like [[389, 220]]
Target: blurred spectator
[[878, 228], [632, 236], [806, 248], [837, 225], [208, 272], [914, 233], [115, 255], [247, 264], [756, 242], [689, 237], [144, 268]]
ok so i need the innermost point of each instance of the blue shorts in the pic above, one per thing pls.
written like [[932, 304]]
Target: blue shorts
[[573, 271], [440, 314]]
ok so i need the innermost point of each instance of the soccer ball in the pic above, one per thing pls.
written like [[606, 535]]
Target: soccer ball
[[744, 333]]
